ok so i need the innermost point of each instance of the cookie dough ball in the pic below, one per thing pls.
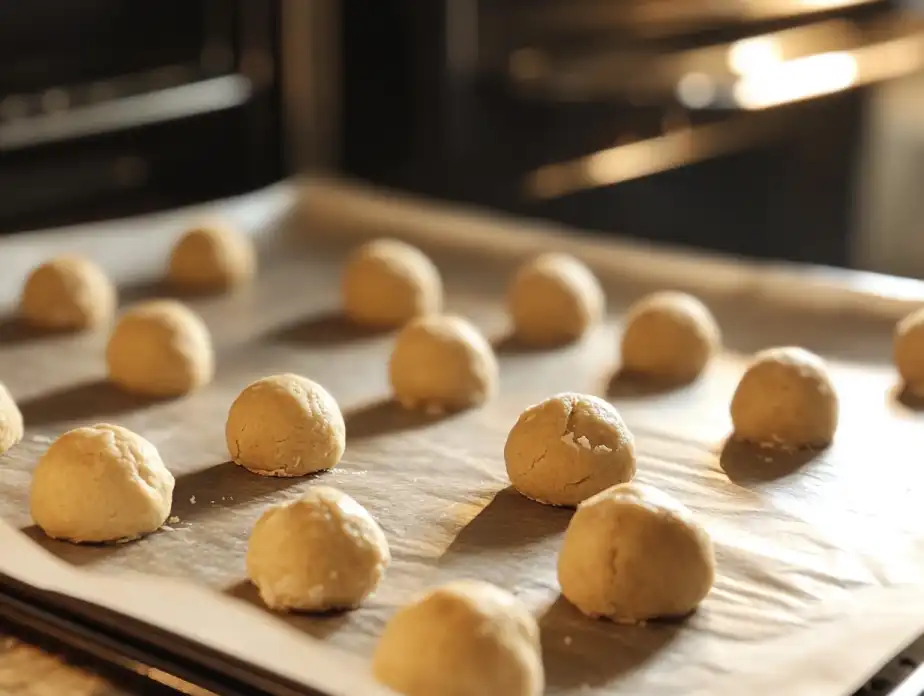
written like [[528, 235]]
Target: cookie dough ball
[[101, 483], [785, 399], [160, 348], [466, 638], [442, 363], [633, 553], [554, 299], [908, 352], [70, 293], [211, 258], [386, 283], [319, 553], [670, 337], [567, 448], [285, 425], [11, 425]]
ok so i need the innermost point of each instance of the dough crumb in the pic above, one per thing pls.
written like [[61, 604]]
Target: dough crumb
[[173, 520], [192, 500]]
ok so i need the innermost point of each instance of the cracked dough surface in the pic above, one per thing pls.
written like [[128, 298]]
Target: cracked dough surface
[[100, 484], [386, 283], [68, 293], [669, 336], [442, 363], [11, 424], [321, 552], [554, 299], [465, 638], [210, 258], [160, 348], [567, 448], [285, 425], [785, 399], [908, 351], [633, 553]]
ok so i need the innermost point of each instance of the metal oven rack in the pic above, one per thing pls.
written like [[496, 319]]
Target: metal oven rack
[[903, 676]]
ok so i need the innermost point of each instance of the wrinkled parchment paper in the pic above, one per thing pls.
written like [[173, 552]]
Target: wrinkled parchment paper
[[818, 555]]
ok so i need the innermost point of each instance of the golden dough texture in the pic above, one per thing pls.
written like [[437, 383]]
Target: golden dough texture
[[567, 448], [632, 553], [465, 638], [785, 399], [11, 423], [320, 552], [387, 283], [442, 363], [211, 258], [285, 425], [99, 484], [669, 336], [160, 348], [554, 299], [908, 351], [68, 293]]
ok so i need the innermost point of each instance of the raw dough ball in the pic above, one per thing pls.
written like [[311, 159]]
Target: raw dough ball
[[386, 283], [285, 425], [554, 299], [211, 258], [318, 553], [68, 293], [466, 638], [11, 425], [567, 448], [908, 352], [160, 348], [442, 363], [633, 553], [669, 336], [101, 483], [785, 399]]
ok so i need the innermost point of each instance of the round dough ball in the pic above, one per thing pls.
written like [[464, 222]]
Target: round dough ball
[[100, 483], [785, 399], [466, 638], [442, 363], [567, 448], [318, 553], [908, 352], [554, 299], [285, 425], [160, 348], [386, 283], [68, 293], [633, 553], [211, 258], [11, 425], [669, 336]]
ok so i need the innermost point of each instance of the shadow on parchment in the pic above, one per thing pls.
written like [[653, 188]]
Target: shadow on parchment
[[746, 464], [626, 385], [387, 416], [509, 520], [322, 330], [69, 552], [579, 651], [227, 485], [14, 330], [507, 343], [95, 399], [152, 289], [316, 625], [904, 396]]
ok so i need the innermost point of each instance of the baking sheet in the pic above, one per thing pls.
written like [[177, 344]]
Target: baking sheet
[[817, 557]]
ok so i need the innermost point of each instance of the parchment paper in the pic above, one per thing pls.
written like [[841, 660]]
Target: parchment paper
[[818, 556]]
